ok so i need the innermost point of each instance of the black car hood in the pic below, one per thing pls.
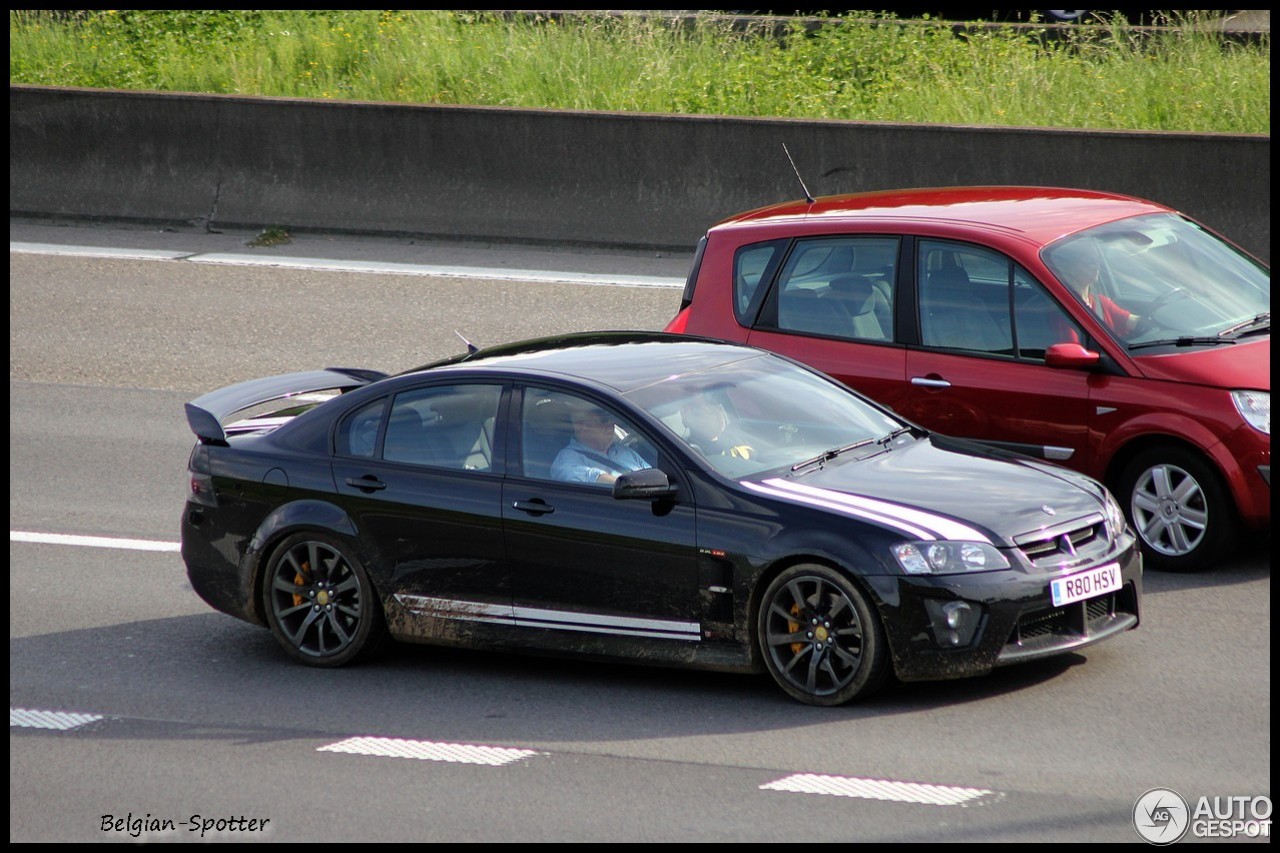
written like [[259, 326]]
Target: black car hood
[[941, 489]]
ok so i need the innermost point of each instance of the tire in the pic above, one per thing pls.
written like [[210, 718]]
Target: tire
[[820, 639], [320, 603], [1178, 506]]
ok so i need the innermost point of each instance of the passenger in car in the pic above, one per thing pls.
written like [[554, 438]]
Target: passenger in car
[[708, 430], [594, 454]]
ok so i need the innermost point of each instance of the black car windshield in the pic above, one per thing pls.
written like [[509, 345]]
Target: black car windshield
[[1162, 278], [761, 413]]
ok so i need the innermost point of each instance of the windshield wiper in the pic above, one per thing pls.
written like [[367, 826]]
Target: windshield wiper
[[1256, 320], [827, 456], [1185, 341]]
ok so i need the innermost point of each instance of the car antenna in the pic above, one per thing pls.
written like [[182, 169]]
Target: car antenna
[[807, 196], [472, 349]]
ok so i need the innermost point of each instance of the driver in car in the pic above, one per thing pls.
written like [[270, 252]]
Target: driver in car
[[1081, 270], [594, 454]]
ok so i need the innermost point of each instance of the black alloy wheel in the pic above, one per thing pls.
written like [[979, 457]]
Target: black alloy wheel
[[822, 642], [320, 603]]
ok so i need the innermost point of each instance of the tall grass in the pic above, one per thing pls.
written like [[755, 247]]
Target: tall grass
[[1184, 79]]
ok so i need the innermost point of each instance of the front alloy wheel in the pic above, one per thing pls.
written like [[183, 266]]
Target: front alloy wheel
[[320, 603], [1178, 508], [821, 641]]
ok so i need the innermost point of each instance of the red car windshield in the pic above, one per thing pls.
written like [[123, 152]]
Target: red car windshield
[[1161, 278]]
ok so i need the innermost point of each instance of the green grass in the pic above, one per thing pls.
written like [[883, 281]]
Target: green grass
[[910, 71]]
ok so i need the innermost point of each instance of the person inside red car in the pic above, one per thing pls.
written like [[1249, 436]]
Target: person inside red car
[[1081, 267]]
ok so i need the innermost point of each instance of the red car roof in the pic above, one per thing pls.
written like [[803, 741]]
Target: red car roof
[[1042, 214]]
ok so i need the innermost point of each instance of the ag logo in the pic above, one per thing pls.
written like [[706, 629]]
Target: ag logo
[[1161, 816]]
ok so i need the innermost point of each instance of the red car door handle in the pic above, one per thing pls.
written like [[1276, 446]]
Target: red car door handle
[[930, 383]]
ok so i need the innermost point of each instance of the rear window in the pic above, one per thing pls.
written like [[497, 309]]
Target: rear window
[[753, 267]]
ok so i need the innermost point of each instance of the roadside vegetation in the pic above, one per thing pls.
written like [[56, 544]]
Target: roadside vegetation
[[908, 71]]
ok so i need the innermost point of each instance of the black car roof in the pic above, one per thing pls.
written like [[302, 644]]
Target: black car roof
[[623, 361]]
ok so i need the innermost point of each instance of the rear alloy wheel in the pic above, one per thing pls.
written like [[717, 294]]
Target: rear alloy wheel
[[1179, 508], [821, 641], [320, 603]]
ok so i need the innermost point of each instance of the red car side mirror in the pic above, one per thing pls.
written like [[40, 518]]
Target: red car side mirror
[[1070, 356]]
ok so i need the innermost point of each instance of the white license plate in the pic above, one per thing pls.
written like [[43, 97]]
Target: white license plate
[[1090, 584]]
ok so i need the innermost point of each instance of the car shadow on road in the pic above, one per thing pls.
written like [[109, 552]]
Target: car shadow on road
[[205, 677]]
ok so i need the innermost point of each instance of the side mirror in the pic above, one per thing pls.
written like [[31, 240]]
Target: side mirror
[[1071, 357], [647, 484]]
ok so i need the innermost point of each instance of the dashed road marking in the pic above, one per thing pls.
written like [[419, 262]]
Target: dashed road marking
[[881, 789], [63, 721], [457, 753]]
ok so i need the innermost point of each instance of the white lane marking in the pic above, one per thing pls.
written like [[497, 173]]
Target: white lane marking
[[440, 270], [880, 789], [458, 753], [63, 721], [96, 252], [93, 541], [497, 756]]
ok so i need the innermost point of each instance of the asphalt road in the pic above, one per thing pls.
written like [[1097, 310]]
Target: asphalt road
[[195, 713]]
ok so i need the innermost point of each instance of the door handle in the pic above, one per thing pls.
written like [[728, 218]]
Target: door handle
[[367, 483], [537, 506], [930, 383]]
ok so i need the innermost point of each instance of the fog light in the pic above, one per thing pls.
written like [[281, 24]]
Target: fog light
[[955, 623], [954, 611]]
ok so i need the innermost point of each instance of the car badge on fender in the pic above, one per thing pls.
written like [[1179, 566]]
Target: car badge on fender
[[1048, 510]]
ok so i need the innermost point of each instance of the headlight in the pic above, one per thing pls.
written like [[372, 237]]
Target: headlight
[[947, 558], [1254, 407], [1115, 515]]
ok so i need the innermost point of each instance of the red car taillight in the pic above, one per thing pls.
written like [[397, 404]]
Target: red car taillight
[[678, 324]]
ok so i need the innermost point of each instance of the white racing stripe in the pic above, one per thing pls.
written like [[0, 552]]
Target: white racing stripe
[[378, 267], [881, 789], [842, 508], [93, 541], [943, 527], [423, 750]]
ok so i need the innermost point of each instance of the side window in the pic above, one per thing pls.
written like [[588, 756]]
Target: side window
[[358, 432], [839, 287], [446, 426], [571, 439], [753, 266], [1038, 320], [964, 298]]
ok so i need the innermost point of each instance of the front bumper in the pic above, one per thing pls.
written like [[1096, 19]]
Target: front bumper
[[1014, 618]]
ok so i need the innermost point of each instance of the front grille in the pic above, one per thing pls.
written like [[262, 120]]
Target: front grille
[[1060, 628], [1043, 623], [1061, 547]]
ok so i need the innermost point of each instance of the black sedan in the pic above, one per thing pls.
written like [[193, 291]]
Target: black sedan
[[645, 497]]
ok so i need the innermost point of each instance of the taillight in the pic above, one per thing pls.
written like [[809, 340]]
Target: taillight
[[200, 477], [678, 324]]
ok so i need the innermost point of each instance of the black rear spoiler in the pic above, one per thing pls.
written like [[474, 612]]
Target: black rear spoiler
[[206, 414]]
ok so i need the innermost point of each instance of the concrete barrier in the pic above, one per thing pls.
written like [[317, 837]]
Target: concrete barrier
[[497, 173]]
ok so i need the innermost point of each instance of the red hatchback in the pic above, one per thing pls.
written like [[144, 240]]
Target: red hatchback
[[1105, 333]]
